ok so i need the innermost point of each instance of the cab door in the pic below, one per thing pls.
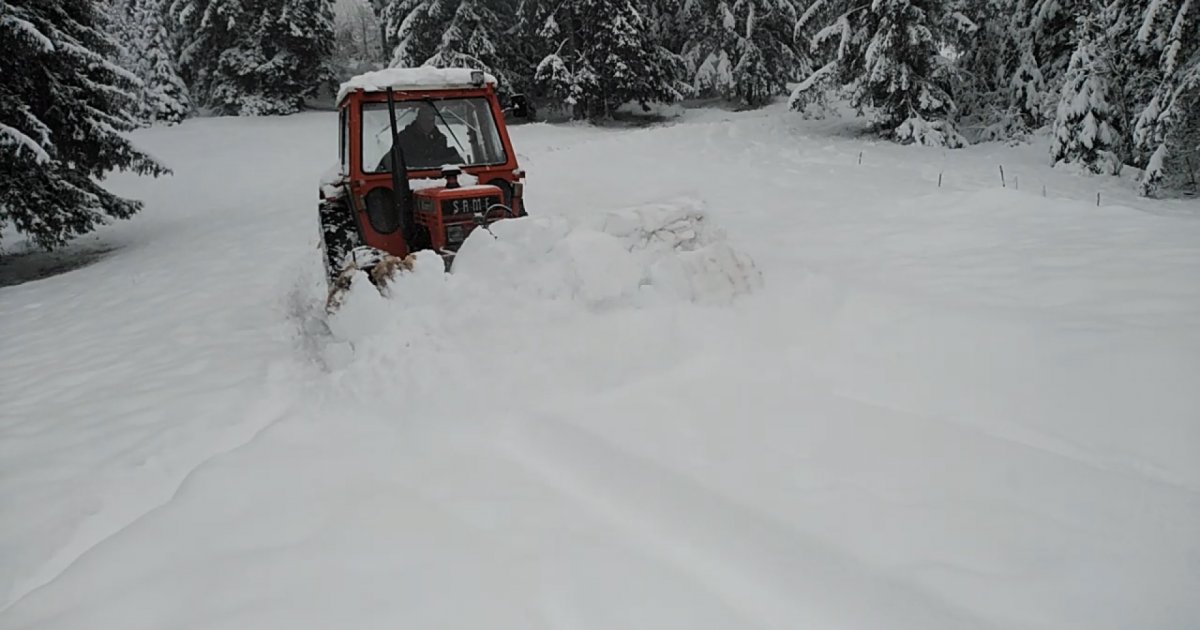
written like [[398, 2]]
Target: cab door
[[376, 212]]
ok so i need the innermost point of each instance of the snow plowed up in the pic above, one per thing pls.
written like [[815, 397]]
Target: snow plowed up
[[651, 253]]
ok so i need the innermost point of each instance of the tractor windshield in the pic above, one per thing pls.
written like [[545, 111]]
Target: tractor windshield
[[432, 133]]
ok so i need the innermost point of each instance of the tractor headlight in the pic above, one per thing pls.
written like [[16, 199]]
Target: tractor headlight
[[455, 234], [477, 77]]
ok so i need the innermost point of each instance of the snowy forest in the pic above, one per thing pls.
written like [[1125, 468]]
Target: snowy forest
[[690, 315], [1114, 84]]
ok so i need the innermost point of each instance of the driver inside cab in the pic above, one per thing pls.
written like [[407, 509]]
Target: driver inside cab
[[423, 145]]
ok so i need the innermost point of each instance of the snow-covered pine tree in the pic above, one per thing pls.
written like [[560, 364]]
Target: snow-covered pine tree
[[1012, 61], [669, 31], [712, 47], [252, 57], [1027, 91], [886, 54], [746, 51], [119, 19], [199, 36], [525, 46], [566, 79], [817, 35], [983, 33], [766, 59], [1166, 134], [415, 29], [1051, 35], [1088, 127], [905, 76], [666, 21], [690, 37], [464, 34], [164, 96], [471, 40], [298, 47], [604, 57], [63, 108], [1040, 40], [357, 44]]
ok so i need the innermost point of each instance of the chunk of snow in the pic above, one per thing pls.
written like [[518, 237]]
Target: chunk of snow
[[423, 77], [930, 133], [465, 180], [653, 252], [658, 251], [329, 180]]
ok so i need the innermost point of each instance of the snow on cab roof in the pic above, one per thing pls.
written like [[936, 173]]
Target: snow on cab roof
[[415, 78]]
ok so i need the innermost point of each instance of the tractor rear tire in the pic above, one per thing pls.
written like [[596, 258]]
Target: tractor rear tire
[[339, 236]]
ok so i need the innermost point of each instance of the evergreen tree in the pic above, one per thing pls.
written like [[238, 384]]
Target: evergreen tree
[[1051, 35], [1028, 91], [357, 45], [462, 34], [1166, 135], [1001, 88], [120, 20], [814, 36], [767, 56], [715, 45], [604, 57], [1087, 129], [668, 29], [568, 79], [252, 57], [666, 20], [527, 46], [63, 108], [756, 38], [690, 35], [743, 51], [1013, 61], [415, 28], [469, 40], [199, 37], [886, 55], [164, 96]]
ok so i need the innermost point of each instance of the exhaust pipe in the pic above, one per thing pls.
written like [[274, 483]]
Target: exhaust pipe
[[401, 191]]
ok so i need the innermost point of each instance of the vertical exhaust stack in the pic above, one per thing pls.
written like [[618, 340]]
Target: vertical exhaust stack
[[401, 191], [451, 173]]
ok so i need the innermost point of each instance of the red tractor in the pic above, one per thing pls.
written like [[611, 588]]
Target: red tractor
[[425, 159]]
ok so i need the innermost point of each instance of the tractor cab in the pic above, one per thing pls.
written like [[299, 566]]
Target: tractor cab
[[425, 159]]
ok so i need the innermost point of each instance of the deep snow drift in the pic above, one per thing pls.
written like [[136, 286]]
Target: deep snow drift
[[726, 376]]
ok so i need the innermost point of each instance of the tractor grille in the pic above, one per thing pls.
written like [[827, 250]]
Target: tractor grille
[[471, 205]]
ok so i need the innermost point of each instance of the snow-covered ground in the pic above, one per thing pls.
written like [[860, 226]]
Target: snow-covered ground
[[911, 406]]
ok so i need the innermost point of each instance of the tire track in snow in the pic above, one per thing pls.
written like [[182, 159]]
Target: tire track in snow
[[759, 566], [270, 412]]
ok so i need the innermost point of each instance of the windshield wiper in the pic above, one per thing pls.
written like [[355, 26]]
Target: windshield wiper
[[448, 128]]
